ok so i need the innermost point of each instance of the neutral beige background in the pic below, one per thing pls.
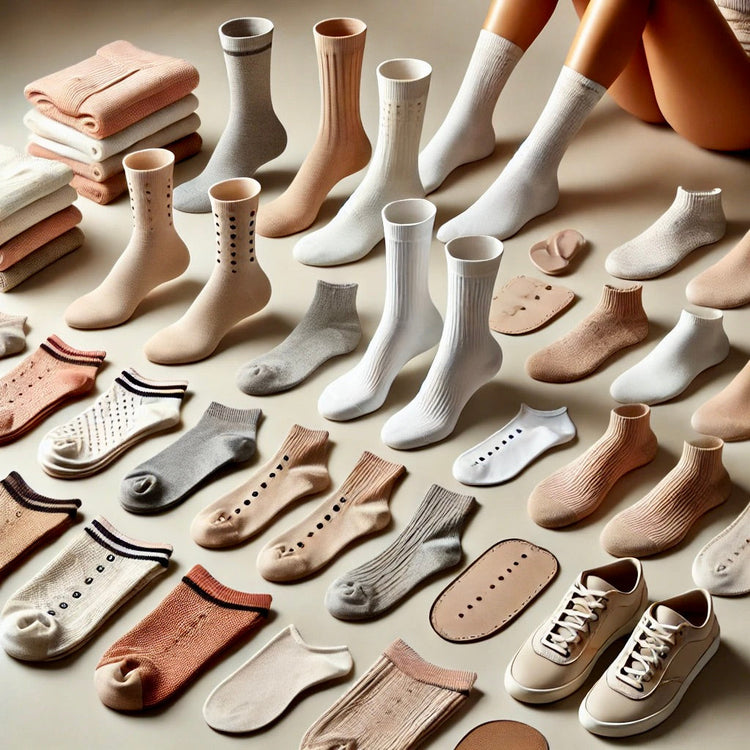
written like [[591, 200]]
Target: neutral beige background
[[618, 176]]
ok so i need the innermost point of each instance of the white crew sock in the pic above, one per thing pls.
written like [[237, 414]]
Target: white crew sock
[[467, 357], [527, 187], [410, 323], [467, 134], [393, 172], [254, 696], [696, 343], [694, 219], [513, 447]]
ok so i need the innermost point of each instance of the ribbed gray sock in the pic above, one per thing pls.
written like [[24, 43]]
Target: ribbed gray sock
[[329, 328], [13, 335], [253, 134], [430, 542], [222, 436]]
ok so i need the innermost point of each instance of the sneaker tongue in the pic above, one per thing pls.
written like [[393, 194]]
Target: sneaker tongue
[[596, 583], [667, 616]]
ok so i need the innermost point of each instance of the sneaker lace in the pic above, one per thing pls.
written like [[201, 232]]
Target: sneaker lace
[[651, 644], [575, 617]]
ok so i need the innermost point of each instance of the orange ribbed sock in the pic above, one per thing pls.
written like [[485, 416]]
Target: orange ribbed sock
[[199, 618], [576, 490], [662, 518]]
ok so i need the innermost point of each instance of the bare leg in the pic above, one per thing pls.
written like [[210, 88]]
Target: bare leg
[[519, 21]]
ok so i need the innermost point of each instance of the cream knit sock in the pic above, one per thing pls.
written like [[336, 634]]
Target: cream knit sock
[[393, 173], [467, 134], [664, 516], [341, 147], [527, 187], [236, 289], [155, 253], [578, 489], [12, 334], [725, 283], [694, 219], [467, 356], [410, 323], [35, 212], [727, 414]]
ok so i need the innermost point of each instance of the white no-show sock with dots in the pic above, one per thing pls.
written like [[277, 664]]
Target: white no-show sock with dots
[[12, 334]]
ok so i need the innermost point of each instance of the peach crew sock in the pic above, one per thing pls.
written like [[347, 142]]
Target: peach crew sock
[[663, 517], [577, 489], [727, 414], [341, 147]]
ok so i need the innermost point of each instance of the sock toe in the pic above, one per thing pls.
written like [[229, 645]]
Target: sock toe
[[213, 533], [137, 492], [192, 198], [119, 686], [621, 538], [257, 380], [280, 563], [28, 634], [347, 600], [548, 513]]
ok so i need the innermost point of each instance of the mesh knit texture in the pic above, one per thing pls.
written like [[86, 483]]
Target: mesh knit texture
[[12, 334]]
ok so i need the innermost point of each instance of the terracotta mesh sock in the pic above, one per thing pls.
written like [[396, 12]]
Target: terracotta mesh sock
[[618, 321], [664, 516], [297, 469], [29, 519], [577, 489], [43, 382], [394, 705], [358, 507], [341, 147], [727, 414], [199, 618], [12, 334]]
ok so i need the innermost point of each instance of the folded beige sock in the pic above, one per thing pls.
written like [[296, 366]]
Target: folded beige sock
[[727, 414]]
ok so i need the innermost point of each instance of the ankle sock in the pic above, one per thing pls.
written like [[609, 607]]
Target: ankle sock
[[253, 696], [222, 436], [12, 334], [696, 343], [396, 703], [694, 219], [358, 507], [62, 606], [198, 619], [467, 134], [578, 489], [253, 134], [467, 356], [29, 519], [527, 187], [618, 321], [727, 414], [297, 469], [431, 542], [329, 328], [663, 517]]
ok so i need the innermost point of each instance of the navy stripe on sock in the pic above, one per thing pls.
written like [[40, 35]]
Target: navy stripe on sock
[[17, 488], [147, 394], [247, 53], [263, 611], [151, 386], [69, 360]]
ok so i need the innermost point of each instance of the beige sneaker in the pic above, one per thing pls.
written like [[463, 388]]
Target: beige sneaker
[[602, 605], [673, 641]]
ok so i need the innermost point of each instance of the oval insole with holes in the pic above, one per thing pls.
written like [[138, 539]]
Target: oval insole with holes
[[505, 734]]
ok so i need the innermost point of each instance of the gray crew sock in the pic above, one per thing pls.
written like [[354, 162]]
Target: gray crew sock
[[253, 134], [12, 334], [329, 328], [429, 543], [222, 436]]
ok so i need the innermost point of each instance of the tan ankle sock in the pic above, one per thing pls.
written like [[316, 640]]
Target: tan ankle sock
[[155, 253], [358, 507], [727, 414], [618, 321], [577, 489], [342, 146], [237, 288], [664, 516], [297, 469]]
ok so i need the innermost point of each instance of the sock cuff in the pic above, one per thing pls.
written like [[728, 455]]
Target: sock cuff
[[705, 200], [496, 52], [702, 456], [106, 535], [301, 441], [335, 297], [625, 303], [403, 79], [444, 505], [572, 78], [207, 587], [12, 320], [408, 661], [409, 220], [630, 421], [704, 317], [246, 36], [55, 346], [134, 382], [474, 256], [229, 415], [371, 473], [340, 36], [19, 491]]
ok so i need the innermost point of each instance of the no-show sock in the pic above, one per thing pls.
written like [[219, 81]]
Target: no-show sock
[[514, 446], [696, 343], [297, 469], [727, 414], [198, 619], [63, 605], [577, 489], [254, 696], [12, 334], [222, 436], [431, 542], [329, 328], [694, 219]]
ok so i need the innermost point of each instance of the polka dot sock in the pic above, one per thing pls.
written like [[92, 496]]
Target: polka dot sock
[[12, 334]]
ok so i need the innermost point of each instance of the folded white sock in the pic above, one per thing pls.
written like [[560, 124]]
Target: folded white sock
[[35, 212]]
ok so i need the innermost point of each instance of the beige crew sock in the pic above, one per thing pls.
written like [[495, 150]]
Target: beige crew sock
[[341, 147], [236, 289], [727, 414], [664, 516], [155, 253], [577, 489], [618, 321], [358, 507], [297, 469]]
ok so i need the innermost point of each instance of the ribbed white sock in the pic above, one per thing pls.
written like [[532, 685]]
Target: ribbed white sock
[[696, 343], [12, 334], [410, 323], [467, 357], [527, 187], [393, 172], [467, 134]]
